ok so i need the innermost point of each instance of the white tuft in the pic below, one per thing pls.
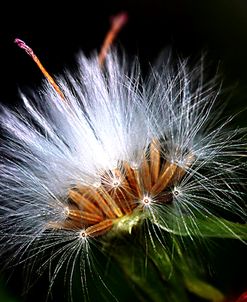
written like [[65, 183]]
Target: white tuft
[[109, 116]]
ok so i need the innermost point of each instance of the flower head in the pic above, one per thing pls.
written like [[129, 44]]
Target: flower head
[[111, 152]]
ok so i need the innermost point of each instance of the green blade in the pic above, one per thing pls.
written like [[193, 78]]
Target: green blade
[[204, 227]]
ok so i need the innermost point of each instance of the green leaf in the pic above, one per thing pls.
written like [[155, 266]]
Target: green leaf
[[191, 279], [149, 271], [203, 289], [158, 268], [204, 227]]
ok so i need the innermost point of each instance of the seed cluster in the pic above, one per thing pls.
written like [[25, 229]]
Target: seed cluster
[[96, 208]]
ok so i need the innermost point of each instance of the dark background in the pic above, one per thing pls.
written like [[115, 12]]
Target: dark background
[[57, 31]]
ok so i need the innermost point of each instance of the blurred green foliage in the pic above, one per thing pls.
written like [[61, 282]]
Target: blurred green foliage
[[5, 295]]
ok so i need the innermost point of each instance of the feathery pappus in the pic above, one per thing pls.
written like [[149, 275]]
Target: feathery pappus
[[101, 151]]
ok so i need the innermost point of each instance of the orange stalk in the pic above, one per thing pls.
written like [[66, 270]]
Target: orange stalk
[[30, 52], [118, 22]]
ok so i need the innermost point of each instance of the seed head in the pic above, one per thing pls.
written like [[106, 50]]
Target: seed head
[[98, 155]]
